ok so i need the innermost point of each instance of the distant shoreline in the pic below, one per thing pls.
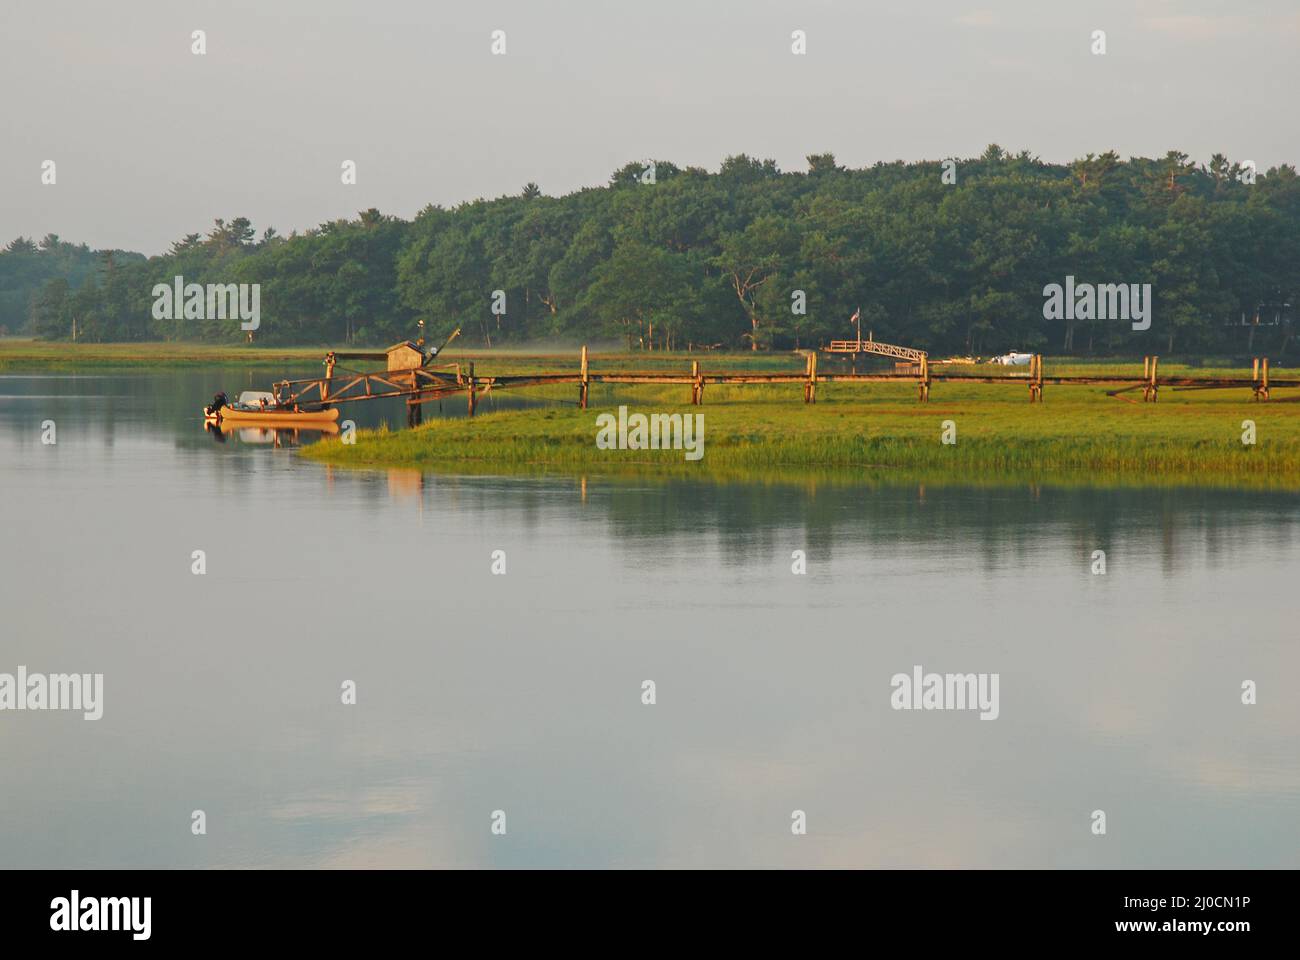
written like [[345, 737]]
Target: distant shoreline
[[60, 353], [514, 357]]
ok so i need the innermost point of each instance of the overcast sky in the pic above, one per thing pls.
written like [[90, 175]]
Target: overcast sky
[[152, 142]]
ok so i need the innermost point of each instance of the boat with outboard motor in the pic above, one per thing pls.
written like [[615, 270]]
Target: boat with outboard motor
[[260, 407]]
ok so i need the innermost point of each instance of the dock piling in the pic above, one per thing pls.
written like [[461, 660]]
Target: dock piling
[[1261, 378], [1151, 390], [810, 386], [585, 383], [329, 376], [1036, 378]]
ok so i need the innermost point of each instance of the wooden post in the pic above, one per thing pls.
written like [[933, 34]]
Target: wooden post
[[1261, 392], [1254, 368], [1036, 378], [1146, 367], [924, 388], [1150, 391], [582, 387], [810, 384], [697, 388], [329, 375], [470, 380]]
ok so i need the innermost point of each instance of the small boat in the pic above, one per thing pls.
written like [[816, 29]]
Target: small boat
[[1013, 359], [258, 407]]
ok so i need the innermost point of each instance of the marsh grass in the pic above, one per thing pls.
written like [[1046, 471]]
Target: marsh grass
[[854, 433], [1079, 436], [56, 355], [18, 351]]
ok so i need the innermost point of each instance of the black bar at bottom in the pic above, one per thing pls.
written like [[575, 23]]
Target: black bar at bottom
[[330, 909]]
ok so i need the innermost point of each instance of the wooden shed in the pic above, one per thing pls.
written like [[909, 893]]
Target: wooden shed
[[405, 356]]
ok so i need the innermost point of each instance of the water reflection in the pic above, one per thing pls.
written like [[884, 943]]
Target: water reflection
[[405, 485], [275, 436], [521, 692]]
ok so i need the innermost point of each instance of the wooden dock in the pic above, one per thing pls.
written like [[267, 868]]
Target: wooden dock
[[421, 384]]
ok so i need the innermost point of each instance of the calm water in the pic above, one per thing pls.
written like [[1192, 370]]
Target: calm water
[[522, 692]]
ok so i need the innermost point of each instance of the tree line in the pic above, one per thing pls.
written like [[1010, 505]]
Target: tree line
[[950, 256]]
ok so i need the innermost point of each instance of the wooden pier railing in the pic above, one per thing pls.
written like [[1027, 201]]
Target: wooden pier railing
[[423, 384]]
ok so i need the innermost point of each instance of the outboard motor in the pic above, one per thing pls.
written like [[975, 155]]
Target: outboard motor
[[219, 401]]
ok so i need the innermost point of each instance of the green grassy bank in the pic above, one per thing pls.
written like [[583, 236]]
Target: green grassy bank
[[854, 433], [1079, 436], [42, 354], [18, 352]]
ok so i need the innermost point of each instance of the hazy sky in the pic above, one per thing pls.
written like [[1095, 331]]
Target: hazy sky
[[152, 142]]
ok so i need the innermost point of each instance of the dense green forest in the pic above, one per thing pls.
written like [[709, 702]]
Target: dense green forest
[[27, 267], [701, 260]]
